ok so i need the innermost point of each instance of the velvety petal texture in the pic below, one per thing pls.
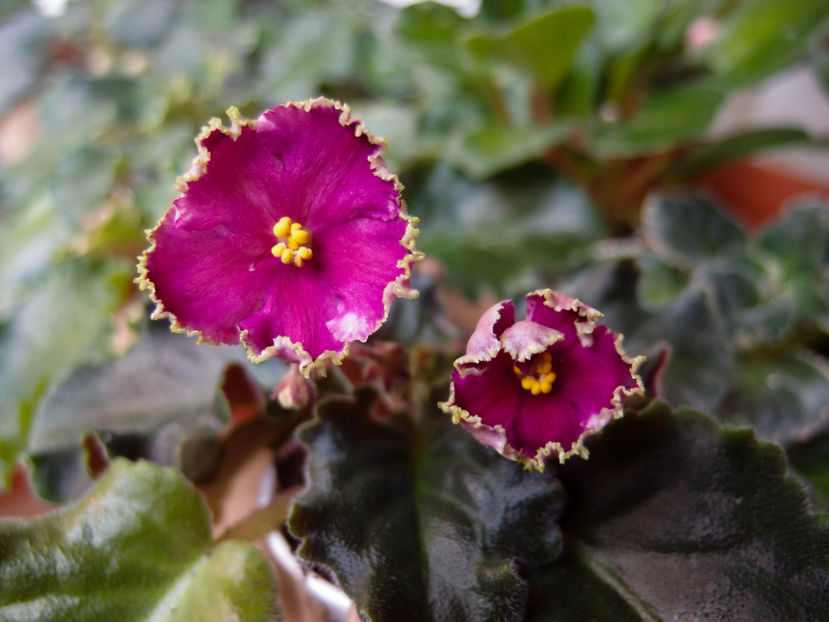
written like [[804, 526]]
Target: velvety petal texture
[[534, 389], [289, 236]]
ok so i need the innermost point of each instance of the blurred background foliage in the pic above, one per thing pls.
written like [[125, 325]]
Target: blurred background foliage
[[542, 143], [529, 137]]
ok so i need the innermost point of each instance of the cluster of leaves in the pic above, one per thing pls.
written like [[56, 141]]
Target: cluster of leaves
[[735, 325], [671, 517], [525, 135]]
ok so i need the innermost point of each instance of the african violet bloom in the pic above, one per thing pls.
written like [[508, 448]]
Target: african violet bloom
[[536, 388], [289, 235]]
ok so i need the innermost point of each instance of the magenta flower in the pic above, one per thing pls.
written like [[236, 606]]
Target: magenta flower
[[535, 388], [289, 235]]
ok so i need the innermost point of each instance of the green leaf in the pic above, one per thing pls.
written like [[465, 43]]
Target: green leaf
[[29, 239], [795, 251], [673, 518], [162, 392], [702, 362], [810, 459], [500, 234], [700, 368], [545, 47], [664, 120], [762, 37], [421, 522], [622, 24], [659, 282], [738, 146], [784, 396], [483, 153], [138, 547], [431, 30], [62, 325], [505, 10], [687, 229]]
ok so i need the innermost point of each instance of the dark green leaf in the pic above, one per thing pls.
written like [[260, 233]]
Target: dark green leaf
[[672, 518], [659, 282], [499, 234], [137, 548], [738, 146], [764, 36], [494, 149], [810, 459], [702, 351], [504, 10], [783, 396], [544, 47], [796, 253], [160, 393], [431, 30], [420, 522], [687, 229], [663, 121]]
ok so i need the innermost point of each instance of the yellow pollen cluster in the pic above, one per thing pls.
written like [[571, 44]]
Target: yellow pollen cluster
[[540, 377], [291, 242]]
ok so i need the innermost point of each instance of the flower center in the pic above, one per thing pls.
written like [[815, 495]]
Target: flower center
[[293, 242], [539, 377]]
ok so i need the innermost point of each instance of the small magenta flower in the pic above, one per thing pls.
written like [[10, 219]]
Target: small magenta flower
[[536, 388], [289, 236]]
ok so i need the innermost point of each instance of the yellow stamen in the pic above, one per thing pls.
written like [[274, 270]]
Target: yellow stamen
[[539, 377], [277, 250], [283, 227], [293, 242], [300, 236]]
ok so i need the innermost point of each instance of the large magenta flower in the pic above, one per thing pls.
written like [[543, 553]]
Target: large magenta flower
[[535, 388], [289, 235]]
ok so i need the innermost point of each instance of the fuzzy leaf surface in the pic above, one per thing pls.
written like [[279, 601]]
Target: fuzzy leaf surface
[[421, 523], [137, 548], [674, 518], [142, 405]]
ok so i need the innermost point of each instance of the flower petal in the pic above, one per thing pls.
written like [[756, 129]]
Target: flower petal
[[211, 267], [205, 248], [496, 396], [569, 316], [587, 393], [484, 344], [319, 148], [487, 391], [525, 338]]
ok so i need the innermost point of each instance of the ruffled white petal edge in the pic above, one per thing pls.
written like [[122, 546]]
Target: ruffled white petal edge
[[496, 436], [283, 346]]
